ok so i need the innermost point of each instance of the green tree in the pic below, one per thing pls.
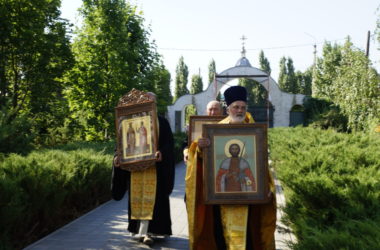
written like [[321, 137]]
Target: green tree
[[264, 63], [161, 79], [291, 81], [356, 88], [189, 111], [35, 53], [304, 81], [182, 74], [113, 55], [196, 84], [287, 79], [211, 71], [256, 94], [282, 74], [345, 77], [326, 71]]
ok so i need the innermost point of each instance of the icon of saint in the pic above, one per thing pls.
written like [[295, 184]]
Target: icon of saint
[[143, 136], [234, 173], [131, 140]]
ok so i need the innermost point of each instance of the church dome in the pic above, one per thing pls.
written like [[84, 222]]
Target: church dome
[[243, 62]]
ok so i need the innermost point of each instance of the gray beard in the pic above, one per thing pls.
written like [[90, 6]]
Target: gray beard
[[237, 119]]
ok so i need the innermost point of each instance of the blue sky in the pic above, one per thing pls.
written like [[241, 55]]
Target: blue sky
[[201, 30]]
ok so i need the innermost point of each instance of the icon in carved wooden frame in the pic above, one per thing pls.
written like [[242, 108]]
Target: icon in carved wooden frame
[[136, 127]]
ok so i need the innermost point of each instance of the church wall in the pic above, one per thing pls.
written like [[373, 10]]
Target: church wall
[[282, 101]]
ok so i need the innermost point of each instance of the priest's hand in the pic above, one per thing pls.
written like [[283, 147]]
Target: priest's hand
[[116, 161], [203, 142], [158, 156], [185, 156]]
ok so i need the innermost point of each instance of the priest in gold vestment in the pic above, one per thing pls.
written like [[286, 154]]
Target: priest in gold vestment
[[227, 226]]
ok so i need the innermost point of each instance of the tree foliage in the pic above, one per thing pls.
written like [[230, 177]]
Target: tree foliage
[[326, 70], [357, 89], [35, 52], [256, 94], [189, 111], [287, 79], [196, 84], [345, 76], [211, 71], [291, 81], [282, 74], [264, 63], [304, 81], [320, 113], [113, 55], [182, 73], [161, 79]]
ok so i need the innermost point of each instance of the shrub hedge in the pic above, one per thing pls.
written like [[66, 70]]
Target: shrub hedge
[[48, 188], [332, 186], [331, 182]]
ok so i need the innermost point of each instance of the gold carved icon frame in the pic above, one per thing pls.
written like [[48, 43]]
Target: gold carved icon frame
[[136, 127]]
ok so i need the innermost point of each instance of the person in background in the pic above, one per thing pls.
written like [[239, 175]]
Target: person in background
[[212, 108]]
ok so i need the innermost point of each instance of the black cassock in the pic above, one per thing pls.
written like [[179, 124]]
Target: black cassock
[[161, 221]]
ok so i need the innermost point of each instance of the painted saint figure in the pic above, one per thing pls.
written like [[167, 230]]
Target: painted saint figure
[[131, 140], [143, 138], [234, 173]]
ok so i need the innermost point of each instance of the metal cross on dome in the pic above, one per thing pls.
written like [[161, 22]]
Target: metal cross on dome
[[243, 38]]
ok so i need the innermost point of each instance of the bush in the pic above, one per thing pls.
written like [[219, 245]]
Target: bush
[[48, 188], [332, 186], [179, 139], [15, 135], [320, 113]]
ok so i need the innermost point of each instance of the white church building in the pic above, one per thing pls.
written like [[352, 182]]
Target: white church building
[[280, 113]]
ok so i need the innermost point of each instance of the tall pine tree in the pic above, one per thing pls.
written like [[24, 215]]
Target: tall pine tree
[[291, 81], [264, 63], [287, 79], [211, 71], [182, 74], [161, 78], [304, 81], [283, 73], [196, 84]]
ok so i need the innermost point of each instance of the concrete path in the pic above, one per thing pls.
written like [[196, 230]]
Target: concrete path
[[106, 226]]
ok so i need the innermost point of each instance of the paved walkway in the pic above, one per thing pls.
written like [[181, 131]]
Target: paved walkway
[[106, 226]]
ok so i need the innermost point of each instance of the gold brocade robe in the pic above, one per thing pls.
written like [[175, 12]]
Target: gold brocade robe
[[143, 191], [262, 218]]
